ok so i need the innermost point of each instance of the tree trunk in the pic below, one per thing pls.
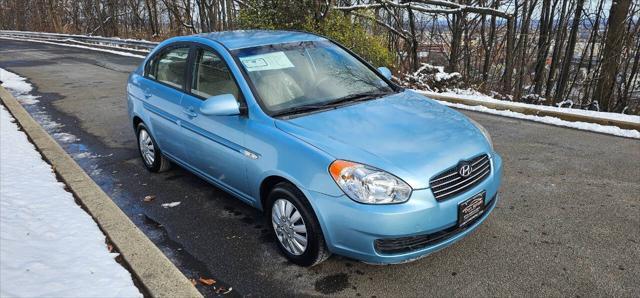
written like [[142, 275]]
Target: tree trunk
[[632, 78], [568, 54], [543, 46], [523, 44], [557, 46], [456, 41], [590, 73], [489, 49], [415, 63], [508, 63], [611, 53]]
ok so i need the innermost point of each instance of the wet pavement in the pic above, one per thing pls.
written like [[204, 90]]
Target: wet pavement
[[568, 222]]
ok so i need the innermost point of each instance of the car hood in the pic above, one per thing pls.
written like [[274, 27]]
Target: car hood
[[405, 134]]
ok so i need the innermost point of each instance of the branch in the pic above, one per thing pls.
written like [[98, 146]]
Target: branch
[[465, 8], [396, 5], [451, 8], [357, 7], [243, 3], [383, 24]]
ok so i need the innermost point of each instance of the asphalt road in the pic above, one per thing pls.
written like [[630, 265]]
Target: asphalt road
[[568, 223]]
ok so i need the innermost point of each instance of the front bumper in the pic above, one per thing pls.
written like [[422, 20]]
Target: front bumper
[[351, 229]]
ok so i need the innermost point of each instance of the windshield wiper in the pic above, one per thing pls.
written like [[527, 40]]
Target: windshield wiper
[[332, 104], [358, 97], [300, 109]]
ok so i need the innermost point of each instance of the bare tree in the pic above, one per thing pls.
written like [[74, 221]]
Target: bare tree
[[611, 53]]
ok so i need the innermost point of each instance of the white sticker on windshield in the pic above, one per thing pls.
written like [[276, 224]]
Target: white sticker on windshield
[[269, 61]]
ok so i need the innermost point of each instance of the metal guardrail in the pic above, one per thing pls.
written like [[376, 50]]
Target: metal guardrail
[[532, 110], [112, 43]]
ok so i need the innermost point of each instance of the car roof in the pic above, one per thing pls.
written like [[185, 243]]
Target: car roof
[[239, 39]]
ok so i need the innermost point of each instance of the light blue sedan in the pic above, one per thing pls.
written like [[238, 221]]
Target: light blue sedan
[[340, 159]]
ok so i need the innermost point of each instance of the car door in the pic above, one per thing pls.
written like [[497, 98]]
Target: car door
[[163, 88], [215, 147]]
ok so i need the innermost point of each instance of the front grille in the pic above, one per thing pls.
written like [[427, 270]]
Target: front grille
[[408, 244], [451, 183]]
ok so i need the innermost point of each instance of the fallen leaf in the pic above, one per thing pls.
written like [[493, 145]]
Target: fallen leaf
[[193, 282], [223, 290], [206, 281], [149, 198]]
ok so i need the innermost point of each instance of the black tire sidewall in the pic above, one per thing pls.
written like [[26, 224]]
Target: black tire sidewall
[[155, 167], [314, 233]]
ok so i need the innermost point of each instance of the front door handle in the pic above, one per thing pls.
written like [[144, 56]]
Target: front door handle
[[190, 112], [147, 93]]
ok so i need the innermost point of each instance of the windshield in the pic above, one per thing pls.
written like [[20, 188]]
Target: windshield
[[308, 74]]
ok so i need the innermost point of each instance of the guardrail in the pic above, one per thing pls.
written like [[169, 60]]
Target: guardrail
[[110, 43], [532, 110]]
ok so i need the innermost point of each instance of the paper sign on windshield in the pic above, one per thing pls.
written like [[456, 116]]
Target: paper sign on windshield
[[269, 61]]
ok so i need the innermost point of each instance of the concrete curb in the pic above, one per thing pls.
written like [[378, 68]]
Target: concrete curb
[[536, 112], [158, 275]]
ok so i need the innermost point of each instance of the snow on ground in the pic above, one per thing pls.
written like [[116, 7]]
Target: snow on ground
[[21, 90], [482, 97], [49, 246], [18, 86]]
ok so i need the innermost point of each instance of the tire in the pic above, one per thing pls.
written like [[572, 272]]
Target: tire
[[151, 156], [316, 250]]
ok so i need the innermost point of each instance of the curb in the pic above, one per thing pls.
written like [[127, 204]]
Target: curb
[[535, 112], [158, 276]]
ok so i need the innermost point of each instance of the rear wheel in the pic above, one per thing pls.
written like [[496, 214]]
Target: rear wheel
[[152, 158], [297, 231]]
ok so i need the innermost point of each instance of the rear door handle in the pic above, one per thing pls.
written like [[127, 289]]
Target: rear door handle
[[190, 112], [147, 93]]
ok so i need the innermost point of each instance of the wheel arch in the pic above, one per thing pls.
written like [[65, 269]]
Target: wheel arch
[[136, 120], [267, 185]]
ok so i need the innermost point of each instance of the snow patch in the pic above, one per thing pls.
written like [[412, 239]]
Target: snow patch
[[432, 78], [18, 87], [82, 155], [50, 246], [64, 137], [170, 205], [14, 82]]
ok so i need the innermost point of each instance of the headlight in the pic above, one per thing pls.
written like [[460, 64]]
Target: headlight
[[367, 184], [484, 132]]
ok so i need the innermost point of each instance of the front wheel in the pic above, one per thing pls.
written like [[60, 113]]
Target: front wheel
[[295, 226], [152, 158]]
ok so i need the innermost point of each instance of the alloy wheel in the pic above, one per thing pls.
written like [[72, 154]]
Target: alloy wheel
[[146, 147], [289, 226]]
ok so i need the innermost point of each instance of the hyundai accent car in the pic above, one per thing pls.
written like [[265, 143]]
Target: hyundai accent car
[[340, 159]]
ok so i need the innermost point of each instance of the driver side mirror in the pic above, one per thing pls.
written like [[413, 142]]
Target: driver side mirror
[[385, 72], [220, 105]]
